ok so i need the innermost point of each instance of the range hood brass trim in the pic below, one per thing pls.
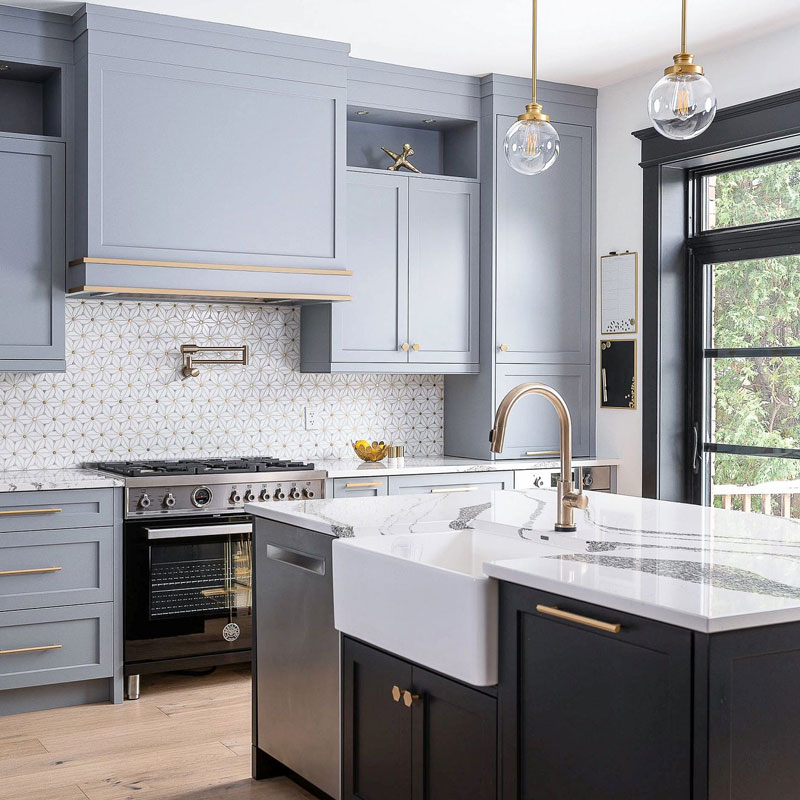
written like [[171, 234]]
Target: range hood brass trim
[[201, 294], [126, 262]]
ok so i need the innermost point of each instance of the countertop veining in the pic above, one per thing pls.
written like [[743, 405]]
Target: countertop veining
[[36, 480]]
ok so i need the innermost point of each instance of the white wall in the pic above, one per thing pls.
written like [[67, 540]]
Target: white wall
[[761, 67]]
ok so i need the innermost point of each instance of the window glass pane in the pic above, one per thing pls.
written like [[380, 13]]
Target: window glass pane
[[765, 193], [755, 401], [752, 483], [756, 303]]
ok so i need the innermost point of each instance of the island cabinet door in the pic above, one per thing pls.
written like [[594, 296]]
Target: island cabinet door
[[376, 762], [588, 713]]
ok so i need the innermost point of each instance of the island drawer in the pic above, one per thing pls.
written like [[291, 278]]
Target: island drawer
[[56, 568], [360, 487], [453, 482], [55, 645], [51, 510]]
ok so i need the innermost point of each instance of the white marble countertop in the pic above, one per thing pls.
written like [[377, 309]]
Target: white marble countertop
[[37, 480], [704, 569], [431, 465]]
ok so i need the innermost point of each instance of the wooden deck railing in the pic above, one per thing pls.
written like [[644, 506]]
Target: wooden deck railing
[[784, 490]]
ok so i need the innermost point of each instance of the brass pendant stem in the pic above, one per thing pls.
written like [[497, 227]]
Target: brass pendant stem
[[683, 28], [533, 55]]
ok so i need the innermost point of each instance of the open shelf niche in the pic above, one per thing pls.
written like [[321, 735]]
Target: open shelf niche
[[30, 99], [442, 146]]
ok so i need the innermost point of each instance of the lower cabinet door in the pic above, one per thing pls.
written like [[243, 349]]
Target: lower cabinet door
[[454, 738], [591, 714], [376, 762]]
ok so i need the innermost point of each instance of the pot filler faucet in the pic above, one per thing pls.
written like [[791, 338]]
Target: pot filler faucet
[[568, 498]]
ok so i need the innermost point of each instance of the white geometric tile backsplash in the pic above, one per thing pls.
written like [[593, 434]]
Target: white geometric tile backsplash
[[122, 396]]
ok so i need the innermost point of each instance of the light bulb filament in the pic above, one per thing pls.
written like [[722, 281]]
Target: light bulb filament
[[531, 143], [683, 99]]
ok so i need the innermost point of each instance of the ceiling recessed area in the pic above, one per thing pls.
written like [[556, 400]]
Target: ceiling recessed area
[[582, 41]]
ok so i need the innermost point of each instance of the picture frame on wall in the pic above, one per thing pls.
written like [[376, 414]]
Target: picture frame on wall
[[618, 373], [619, 293]]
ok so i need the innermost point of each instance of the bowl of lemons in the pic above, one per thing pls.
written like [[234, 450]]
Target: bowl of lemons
[[366, 451]]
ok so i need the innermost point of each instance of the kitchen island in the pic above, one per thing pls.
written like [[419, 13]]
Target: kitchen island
[[653, 653]]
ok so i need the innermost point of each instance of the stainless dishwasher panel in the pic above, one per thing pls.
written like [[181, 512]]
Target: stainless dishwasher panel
[[297, 653]]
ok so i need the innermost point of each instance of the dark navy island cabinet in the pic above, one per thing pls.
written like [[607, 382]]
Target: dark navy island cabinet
[[412, 734]]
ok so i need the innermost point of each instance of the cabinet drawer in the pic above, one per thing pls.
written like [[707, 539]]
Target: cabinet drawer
[[56, 568], [360, 487], [55, 645], [46, 510], [461, 482]]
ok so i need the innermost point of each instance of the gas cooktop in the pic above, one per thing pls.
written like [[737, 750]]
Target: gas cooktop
[[200, 466]]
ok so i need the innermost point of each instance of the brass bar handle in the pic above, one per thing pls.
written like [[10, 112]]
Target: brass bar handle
[[18, 512], [608, 627], [543, 453], [409, 698], [37, 571], [30, 649], [361, 485], [449, 489]]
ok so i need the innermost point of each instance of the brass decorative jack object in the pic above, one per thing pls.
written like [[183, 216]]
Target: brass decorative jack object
[[401, 159]]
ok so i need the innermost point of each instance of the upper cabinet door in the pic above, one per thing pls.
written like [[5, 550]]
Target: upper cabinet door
[[373, 327], [443, 262], [195, 165], [32, 255], [544, 255]]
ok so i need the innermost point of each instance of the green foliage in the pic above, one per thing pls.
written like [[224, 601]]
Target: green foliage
[[757, 304]]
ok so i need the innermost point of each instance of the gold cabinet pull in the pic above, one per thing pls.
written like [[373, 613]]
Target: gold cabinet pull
[[30, 649], [18, 512], [37, 571], [361, 485], [415, 347], [396, 693], [503, 348], [449, 489], [543, 452], [608, 627], [408, 698], [404, 347]]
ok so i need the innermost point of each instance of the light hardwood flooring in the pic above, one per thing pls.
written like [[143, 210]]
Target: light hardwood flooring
[[187, 738]]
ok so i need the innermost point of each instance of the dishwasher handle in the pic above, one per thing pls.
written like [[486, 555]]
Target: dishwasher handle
[[297, 559]]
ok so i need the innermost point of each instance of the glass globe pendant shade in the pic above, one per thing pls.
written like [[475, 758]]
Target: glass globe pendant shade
[[531, 146], [682, 106]]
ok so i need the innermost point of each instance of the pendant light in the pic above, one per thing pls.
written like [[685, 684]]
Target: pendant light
[[682, 104], [531, 145]]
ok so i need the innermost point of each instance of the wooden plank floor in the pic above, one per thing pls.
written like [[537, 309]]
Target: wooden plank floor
[[187, 738]]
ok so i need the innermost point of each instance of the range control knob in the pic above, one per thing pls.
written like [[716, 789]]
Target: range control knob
[[235, 497], [294, 493], [309, 494], [280, 495], [264, 496], [538, 482], [169, 500], [249, 497], [144, 501], [588, 480]]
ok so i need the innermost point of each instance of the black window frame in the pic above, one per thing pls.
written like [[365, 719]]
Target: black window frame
[[744, 135]]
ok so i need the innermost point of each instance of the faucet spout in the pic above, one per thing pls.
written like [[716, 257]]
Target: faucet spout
[[568, 498]]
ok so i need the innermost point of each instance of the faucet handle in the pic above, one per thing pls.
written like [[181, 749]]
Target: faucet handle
[[575, 500]]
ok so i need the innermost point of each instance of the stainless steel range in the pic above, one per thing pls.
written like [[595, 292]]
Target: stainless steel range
[[187, 556]]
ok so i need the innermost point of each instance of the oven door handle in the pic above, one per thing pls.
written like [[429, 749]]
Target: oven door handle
[[199, 530]]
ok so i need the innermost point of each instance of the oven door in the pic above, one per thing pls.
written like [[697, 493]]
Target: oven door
[[187, 589]]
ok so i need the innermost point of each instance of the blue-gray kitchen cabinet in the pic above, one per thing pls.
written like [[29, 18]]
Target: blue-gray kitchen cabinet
[[544, 255], [185, 159], [32, 255], [413, 247]]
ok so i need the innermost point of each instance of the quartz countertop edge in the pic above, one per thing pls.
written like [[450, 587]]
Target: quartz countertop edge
[[433, 465], [39, 480]]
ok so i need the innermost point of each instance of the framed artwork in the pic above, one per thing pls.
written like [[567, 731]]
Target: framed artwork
[[619, 289], [618, 373]]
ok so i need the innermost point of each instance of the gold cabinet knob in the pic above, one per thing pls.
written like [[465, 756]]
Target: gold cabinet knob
[[396, 693], [503, 348], [415, 346], [409, 698], [404, 347]]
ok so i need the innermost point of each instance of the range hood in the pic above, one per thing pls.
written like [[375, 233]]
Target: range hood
[[188, 281]]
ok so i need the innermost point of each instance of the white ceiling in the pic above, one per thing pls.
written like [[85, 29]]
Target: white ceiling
[[588, 42]]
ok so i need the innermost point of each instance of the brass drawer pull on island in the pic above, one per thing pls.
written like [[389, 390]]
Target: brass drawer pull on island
[[361, 485], [30, 649], [405, 346], [20, 511], [455, 489], [608, 627], [36, 571], [415, 347]]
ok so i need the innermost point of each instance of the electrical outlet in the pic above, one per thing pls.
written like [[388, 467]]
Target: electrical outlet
[[311, 418]]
